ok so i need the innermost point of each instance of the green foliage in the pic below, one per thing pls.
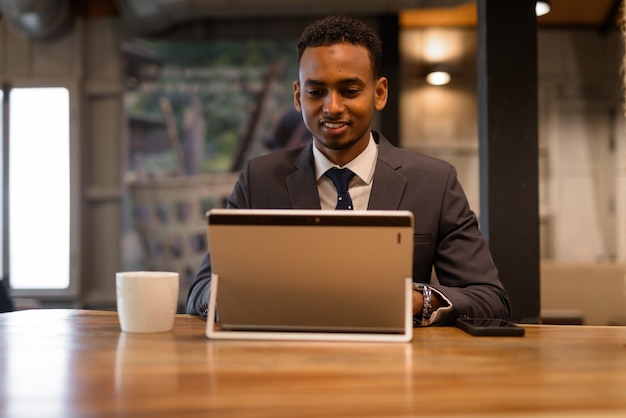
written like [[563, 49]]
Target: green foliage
[[228, 77]]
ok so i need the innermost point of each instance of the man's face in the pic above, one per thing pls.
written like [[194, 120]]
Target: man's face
[[338, 95]]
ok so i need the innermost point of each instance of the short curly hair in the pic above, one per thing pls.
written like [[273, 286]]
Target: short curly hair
[[333, 30]]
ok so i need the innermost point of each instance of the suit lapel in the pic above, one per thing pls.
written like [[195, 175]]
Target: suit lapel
[[388, 185], [387, 189], [301, 185]]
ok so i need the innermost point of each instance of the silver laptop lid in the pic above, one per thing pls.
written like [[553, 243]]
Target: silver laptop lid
[[311, 270]]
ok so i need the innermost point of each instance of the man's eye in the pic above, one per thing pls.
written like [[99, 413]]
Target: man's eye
[[351, 92], [315, 93]]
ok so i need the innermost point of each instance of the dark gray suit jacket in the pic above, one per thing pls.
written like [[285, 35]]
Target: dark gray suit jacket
[[446, 230]]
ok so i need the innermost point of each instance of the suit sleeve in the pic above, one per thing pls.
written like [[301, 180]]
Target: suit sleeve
[[465, 270], [198, 295]]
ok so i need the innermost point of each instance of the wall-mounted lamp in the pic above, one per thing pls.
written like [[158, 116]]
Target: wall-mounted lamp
[[438, 78], [542, 7]]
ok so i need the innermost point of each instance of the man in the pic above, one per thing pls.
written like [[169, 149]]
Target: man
[[338, 92]]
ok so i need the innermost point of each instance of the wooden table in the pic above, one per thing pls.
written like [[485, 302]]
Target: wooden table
[[76, 363]]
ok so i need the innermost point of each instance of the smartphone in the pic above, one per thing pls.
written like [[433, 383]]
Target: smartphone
[[485, 327]]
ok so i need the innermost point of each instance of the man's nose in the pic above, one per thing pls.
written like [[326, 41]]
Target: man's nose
[[334, 105]]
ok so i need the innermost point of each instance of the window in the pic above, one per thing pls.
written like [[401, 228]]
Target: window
[[36, 172]]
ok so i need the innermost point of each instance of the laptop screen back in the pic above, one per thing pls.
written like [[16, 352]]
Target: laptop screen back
[[311, 270]]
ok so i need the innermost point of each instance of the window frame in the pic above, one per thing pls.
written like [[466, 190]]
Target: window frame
[[73, 290]]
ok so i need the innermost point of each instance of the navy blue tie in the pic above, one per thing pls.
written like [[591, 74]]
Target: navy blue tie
[[341, 178]]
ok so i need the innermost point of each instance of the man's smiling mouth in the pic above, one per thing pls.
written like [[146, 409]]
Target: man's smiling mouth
[[334, 125]]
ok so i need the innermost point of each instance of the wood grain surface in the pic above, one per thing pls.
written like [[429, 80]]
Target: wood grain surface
[[77, 363]]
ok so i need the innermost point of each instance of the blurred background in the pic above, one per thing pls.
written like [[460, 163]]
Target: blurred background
[[144, 111]]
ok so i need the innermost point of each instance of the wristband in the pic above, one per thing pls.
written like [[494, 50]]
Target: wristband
[[427, 312], [426, 292]]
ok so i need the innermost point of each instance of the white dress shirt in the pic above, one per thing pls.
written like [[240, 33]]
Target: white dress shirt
[[360, 185]]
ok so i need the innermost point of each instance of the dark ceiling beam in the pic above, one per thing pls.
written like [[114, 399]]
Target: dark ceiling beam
[[611, 20]]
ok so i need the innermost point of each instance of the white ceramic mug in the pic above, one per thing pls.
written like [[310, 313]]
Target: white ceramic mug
[[146, 300]]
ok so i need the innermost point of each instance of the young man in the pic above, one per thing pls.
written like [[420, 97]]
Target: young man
[[338, 92]]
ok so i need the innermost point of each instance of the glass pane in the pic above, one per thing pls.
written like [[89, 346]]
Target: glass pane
[[39, 188]]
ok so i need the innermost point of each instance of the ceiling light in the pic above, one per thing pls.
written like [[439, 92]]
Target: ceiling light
[[438, 78], [542, 7]]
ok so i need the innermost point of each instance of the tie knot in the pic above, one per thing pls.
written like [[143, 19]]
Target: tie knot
[[340, 177]]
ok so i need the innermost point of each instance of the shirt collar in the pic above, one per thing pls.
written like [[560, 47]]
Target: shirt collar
[[362, 165]]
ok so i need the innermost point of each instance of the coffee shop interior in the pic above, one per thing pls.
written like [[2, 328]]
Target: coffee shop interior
[[126, 187]]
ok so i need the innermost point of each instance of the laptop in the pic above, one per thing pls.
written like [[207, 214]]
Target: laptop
[[310, 275]]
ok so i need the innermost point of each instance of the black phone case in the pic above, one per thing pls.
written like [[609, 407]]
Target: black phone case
[[474, 327]]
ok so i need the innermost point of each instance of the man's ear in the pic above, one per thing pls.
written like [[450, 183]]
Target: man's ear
[[381, 92], [296, 96]]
